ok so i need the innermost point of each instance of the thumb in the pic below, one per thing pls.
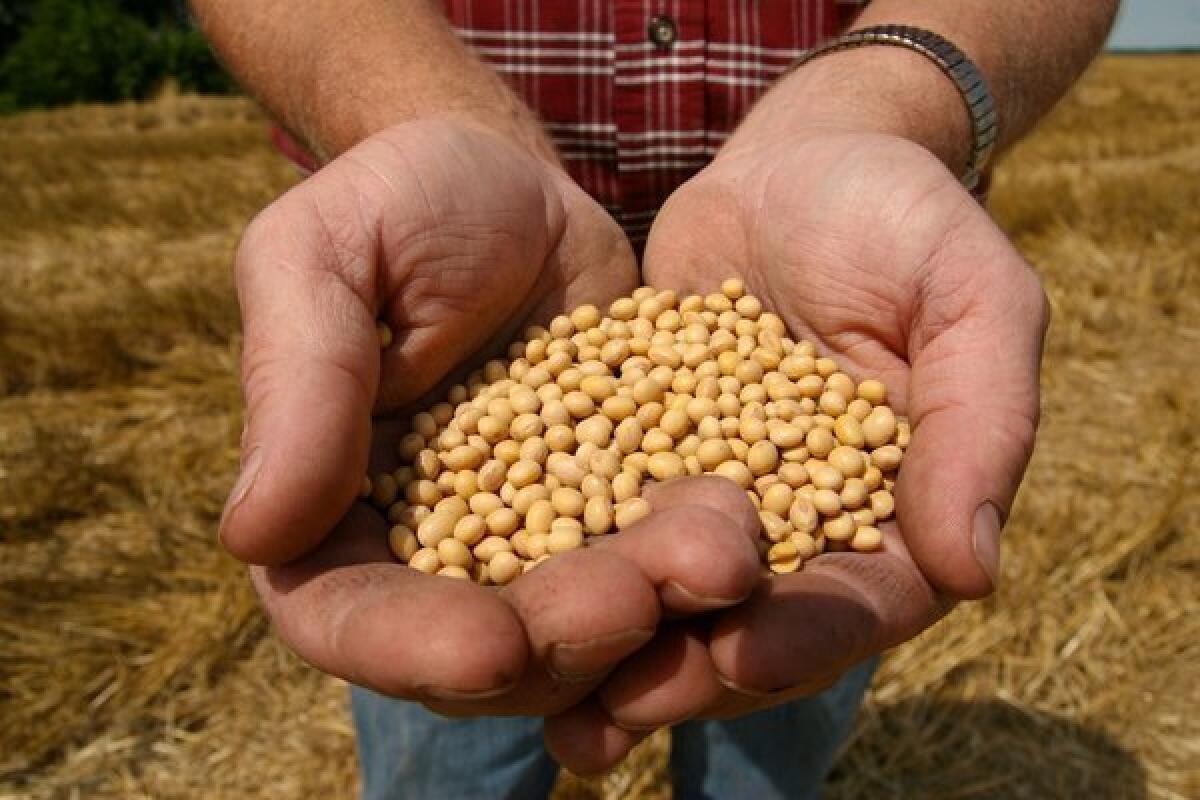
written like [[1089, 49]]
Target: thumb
[[310, 370], [973, 403], [425, 216]]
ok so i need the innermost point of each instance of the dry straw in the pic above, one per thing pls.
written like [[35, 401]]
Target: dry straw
[[133, 660]]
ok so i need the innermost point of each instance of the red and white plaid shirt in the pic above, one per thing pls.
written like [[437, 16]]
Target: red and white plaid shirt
[[639, 94]]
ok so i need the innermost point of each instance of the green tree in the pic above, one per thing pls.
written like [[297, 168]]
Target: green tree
[[190, 61], [13, 17], [155, 13], [77, 50]]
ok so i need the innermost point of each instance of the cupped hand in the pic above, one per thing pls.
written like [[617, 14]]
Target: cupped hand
[[866, 245], [455, 239], [451, 236]]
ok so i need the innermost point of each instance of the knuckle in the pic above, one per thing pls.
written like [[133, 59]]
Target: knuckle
[[713, 560], [842, 634], [721, 499], [1035, 299], [342, 223], [254, 239], [1021, 431], [722, 490], [1045, 311], [701, 519]]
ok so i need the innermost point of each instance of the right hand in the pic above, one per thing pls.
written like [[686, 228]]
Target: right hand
[[867, 246], [454, 238]]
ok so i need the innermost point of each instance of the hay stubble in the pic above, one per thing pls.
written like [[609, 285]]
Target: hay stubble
[[133, 661]]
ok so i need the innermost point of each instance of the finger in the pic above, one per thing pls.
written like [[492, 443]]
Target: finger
[[973, 402], [707, 491], [348, 610], [587, 611], [433, 244], [800, 631], [667, 681], [674, 259], [593, 263], [310, 370], [469, 225], [697, 544], [585, 741], [583, 612]]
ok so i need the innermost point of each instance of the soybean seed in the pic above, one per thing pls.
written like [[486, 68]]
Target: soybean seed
[[866, 539], [630, 511], [784, 557], [529, 454]]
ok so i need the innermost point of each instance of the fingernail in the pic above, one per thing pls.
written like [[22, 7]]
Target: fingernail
[[579, 662], [808, 687], [250, 468], [647, 729], [674, 594], [733, 687], [577, 677], [462, 695], [985, 539]]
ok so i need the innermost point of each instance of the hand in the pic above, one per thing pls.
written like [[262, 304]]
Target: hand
[[447, 233], [866, 245], [453, 237]]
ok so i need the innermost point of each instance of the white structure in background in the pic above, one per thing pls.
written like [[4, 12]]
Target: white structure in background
[[1157, 25]]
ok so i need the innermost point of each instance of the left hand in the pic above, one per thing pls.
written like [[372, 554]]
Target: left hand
[[454, 236], [868, 246]]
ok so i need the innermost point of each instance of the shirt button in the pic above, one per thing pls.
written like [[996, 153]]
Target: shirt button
[[662, 32]]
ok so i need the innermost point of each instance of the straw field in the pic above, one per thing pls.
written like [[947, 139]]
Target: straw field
[[134, 661]]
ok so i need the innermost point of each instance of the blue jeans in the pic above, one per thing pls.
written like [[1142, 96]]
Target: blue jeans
[[408, 753]]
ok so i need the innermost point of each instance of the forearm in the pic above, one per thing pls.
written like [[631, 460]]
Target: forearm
[[335, 72], [1030, 51]]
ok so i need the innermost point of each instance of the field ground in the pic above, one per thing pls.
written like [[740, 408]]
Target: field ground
[[133, 660]]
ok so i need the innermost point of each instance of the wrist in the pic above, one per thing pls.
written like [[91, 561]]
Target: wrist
[[884, 90], [344, 101], [358, 121], [514, 125]]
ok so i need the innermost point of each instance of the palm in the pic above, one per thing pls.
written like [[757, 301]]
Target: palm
[[455, 239], [866, 245], [839, 243], [452, 237]]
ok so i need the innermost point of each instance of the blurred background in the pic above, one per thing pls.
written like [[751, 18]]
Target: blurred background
[[56, 52], [133, 659]]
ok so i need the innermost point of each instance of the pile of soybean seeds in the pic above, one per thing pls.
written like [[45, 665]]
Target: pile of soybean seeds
[[536, 454]]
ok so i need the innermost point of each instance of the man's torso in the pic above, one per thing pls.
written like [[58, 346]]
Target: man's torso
[[639, 94]]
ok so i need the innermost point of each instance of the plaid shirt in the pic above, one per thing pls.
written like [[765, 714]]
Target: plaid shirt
[[639, 94]]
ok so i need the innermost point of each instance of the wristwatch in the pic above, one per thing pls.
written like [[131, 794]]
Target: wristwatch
[[968, 79]]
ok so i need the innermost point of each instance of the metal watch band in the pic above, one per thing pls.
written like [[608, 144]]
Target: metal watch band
[[981, 108]]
